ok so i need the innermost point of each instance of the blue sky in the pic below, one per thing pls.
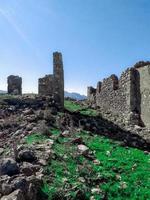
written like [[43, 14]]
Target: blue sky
[[96, 37]]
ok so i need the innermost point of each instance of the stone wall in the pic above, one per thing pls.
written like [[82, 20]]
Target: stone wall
[[144, 98], [53, 84], [91, 95], [14, 85], [46, 85], [115, 94], [127, 97]]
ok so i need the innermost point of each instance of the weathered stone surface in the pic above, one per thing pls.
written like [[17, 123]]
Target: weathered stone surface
[[46, 85], [59, 77], [127, 97], [21, 187], [9, 167], [83, 149], [14, 85], [16, 195], [26, 155], [28, 169], [53, 84], [1, 150], [91, 94], [141, 64], [6, 189], [144, 84]]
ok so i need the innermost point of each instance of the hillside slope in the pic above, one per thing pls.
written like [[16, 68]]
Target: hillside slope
[[69, 154]]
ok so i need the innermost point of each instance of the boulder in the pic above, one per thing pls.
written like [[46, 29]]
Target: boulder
[[83, 149], [6, 188], [16, 195], [28, 111], [77, 140], [28, 169], [26, 155], [1, 151], [8, 166], [20, 183]]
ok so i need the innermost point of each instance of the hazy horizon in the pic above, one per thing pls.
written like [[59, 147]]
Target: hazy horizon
[[96, 39]]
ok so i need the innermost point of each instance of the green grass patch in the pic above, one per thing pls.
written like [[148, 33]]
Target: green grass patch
[[3, 96], [74, 106], [38, 137], [35, 138], [63, 172], [122, 173], [89, 112], [55, 131], [125, 169]]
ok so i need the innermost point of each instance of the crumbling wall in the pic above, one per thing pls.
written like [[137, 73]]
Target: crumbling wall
[[144, 74], [113, 94], [46, 85], [91, 95], [119, 96], [53, 84], [14, 85]]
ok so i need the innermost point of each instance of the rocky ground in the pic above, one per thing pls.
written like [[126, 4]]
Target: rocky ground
[[49, 153]]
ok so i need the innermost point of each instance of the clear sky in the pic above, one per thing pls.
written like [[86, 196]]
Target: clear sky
[[96, 37]]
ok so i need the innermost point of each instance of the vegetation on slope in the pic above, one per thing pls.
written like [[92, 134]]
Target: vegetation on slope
[[76, 107], [107, 171]]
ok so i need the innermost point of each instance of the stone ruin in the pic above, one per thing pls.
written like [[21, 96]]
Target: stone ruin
[[127, 97], [53, 84], [14, 85]]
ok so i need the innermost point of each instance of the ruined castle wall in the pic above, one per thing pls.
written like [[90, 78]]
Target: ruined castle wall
[[46, 85], [53, 85], [144, 74], [91, 95], [14, 85], [118, 96], [128, 98]]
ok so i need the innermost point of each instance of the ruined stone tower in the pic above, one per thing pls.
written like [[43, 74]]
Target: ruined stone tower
[[53, 84], [58, 76], [14, 85]]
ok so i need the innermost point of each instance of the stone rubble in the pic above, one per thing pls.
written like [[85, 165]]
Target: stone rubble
[[21, 166]]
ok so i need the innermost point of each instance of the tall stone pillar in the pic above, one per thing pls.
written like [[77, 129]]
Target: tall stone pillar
[[14, 85], [58, 77], [91, 95]]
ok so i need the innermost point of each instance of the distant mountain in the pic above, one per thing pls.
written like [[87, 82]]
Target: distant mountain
[[2, 92], [75, 95], [72, 95]]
